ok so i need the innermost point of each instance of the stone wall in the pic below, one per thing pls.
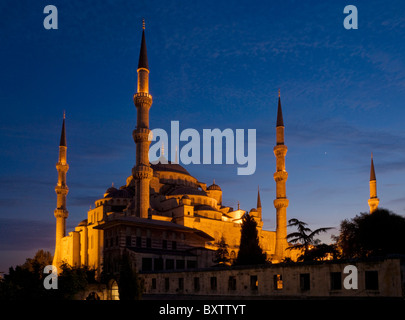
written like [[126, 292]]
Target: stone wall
[[375, 278]]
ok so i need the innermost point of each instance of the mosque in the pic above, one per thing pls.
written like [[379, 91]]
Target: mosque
[[165, 218]]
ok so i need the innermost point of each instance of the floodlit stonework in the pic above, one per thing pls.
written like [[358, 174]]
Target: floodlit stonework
[[163, 215]]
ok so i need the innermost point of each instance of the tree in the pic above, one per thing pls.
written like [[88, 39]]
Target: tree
[[222, 254], [26, 282], [304, 239], [250, 251], [376, 234], [129, 287]]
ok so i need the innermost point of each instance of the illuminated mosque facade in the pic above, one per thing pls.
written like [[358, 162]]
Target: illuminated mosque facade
[[163, 217]]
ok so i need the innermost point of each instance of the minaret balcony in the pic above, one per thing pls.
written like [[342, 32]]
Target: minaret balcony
[[141, 134], [280, 150], [142, 172], [61, 213], [63, 167], [63, 190], [142, 99], [281, 203], [280, 176]]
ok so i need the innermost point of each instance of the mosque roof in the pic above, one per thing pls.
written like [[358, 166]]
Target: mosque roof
[[187, 190], [113, 192], [169, 166]]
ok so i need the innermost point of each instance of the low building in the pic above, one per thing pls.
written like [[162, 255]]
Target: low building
[[382, 278]]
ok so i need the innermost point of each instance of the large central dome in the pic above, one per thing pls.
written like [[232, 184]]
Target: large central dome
[[170, 167]]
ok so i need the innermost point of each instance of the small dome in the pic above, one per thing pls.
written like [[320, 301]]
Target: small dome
[[185, 197], [82, 223], [111, 190], [214, 187], [253, 210]]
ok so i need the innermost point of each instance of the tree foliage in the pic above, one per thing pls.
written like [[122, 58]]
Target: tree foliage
[[26, 282], [250, 251], [222, 253], [129, 286], [376, 234], [304, 239]]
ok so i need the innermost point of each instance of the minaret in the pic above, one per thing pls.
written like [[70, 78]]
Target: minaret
[[373, 201], [61, 190], [142, 172], [259, 205], [280, 176]]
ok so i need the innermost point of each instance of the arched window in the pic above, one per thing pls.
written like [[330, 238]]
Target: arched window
[[114, 291]]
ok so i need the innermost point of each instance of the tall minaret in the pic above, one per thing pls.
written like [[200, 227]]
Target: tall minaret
[[142, 172], [280, 176], [373, 201], [61, 190]]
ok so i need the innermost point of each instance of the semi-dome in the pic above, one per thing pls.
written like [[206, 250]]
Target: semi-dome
[[113, 192]]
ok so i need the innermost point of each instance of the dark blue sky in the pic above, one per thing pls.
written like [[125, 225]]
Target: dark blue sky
[[213, 64]]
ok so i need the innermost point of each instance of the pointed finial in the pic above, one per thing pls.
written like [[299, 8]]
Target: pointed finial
[[143, 23], [259, 203], [213, 182], [238, 205], [176, 160], [64, 114], [372, 171], [112, 184]]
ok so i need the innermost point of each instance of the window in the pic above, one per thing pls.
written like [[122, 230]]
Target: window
[[148, 242], [181, 284], [128, 241], [191, 264], [153, 283], [232, 283], [371, 279], [158, 264], [335, 281], [169, 264], [174, 245], [146, 264], [278, 282], [196, 284], [254, 284], [180, 264], [167, 284], [164, 244], [304, 282], [139, 242], [114, 291], [214, 284]]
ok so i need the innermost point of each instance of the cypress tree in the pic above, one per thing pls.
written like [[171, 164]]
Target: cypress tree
[[250, 251]]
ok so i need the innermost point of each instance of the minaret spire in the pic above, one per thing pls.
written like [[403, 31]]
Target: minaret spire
[[61, 190], [259, 205], [280, 177], [143, 55], [373, 201], [280, 123], [142, 172]]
